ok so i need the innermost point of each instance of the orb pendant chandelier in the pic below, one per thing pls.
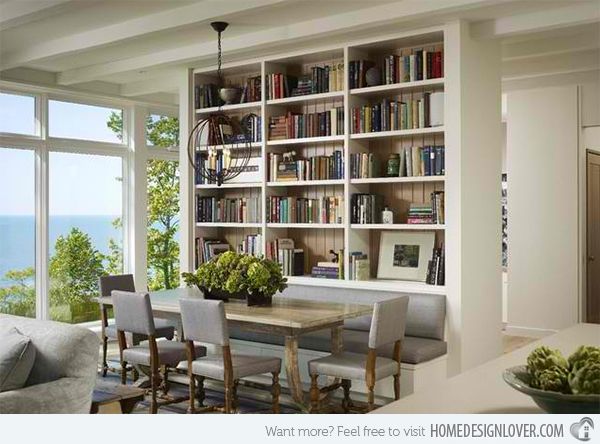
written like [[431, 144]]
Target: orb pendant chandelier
[[219, 147]]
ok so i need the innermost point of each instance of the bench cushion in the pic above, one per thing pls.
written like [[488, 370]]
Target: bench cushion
[[414, 349]]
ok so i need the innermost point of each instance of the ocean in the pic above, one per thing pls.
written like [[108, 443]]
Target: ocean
[[17, 237]]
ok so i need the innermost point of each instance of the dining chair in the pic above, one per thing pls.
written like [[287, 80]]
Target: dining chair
[[204, 321], [133, 314], [387, 326], [124, 282]]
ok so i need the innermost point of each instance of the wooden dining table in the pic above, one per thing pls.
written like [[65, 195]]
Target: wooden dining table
[[286, 317]]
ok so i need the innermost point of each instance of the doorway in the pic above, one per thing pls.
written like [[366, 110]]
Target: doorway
[[593, 238]]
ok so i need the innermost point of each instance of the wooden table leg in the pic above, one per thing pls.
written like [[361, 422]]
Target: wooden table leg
[[337, 346], [292, 370]]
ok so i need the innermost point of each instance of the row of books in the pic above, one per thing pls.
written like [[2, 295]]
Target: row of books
[[252, 90], [359, 266], [421, 161], [390, 115], [296, 125], [215, 161], [421, 65], [364, 165], [301, 210], [238, 210], [247, 129], [436, 268], [251, 244], [365, 208], [314, 168], [290, 259], [207, 96], [206, 249], [321, 79], [431, 213]]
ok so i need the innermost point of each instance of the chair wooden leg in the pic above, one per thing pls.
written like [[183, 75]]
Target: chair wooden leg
[[314, 394], [135, 373], [275, 392], [396, 387], [123, 372], [346, 402], [154, 380], [104, 353], [371, 397], [200, 393], [234, 396], [192, 393], [165, 381], [228, 396]]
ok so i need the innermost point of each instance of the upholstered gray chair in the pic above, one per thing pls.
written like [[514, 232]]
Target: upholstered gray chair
[[133, 314], [204, 321], [124, 282], [387, 327]]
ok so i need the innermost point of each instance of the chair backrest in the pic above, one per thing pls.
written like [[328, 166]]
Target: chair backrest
[[133, 312], [388, 322], [204, 321], [122, 282]]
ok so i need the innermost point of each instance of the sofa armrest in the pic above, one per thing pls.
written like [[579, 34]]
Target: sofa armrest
[[64, 395]]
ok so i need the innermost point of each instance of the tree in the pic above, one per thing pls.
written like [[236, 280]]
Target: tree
[[163, 201], [18, 298]]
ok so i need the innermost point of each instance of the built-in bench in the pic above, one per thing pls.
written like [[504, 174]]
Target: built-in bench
[[423, 349]]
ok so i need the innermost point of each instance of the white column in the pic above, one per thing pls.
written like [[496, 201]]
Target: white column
[[42, 253], [473, 191], [186, 189], [135, 258]]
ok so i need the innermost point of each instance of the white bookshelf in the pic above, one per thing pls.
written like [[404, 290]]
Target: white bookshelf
[[308, 98], [396, 88], [226, 186], [306, 183], [307, 226], [410, 179], [229, 224], [399, 133], [233, 107], [306, 140], [408, 227]]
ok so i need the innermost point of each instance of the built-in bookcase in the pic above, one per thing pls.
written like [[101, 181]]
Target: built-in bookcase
[[398, 192]]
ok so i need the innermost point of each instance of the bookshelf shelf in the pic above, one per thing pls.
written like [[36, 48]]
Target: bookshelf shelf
[[312, 226], [411, 179], [220, 147], [373, 284], [412, 227], [229, 186], [233, 107], [382, 90], [399, 133], [304, 183], [229, 224], [308, 98], [306, 140]]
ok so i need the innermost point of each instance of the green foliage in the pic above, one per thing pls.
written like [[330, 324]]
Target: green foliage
[[18, 298], [554, 379], [543, 358], [238, 273], [114, 258], [163, 203], [586, 380], [582, 355]]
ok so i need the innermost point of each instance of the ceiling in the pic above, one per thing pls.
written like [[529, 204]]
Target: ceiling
[[137, 48]]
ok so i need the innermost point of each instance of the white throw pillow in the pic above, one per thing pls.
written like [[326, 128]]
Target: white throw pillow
[[17, 354]]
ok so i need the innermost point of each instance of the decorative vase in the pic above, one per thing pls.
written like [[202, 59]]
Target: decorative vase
[[229, 95], [373, 76]]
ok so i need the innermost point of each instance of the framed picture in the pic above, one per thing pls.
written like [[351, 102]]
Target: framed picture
[[404, 255]]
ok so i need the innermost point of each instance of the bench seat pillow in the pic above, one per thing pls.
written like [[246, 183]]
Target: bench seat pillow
[[17, 354]]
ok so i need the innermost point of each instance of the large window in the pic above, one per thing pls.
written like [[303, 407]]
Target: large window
[[163, 204], [17, 232], [85, 231], [85, 122], [17, 114]]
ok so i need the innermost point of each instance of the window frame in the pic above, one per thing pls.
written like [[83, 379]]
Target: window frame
[[37, 112]]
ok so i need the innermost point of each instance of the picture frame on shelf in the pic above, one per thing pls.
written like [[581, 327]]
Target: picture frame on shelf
[[404, 255]]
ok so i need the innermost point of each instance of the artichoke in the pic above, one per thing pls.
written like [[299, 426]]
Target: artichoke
[[583, 355], [586, 380], [543, 358], [554, 379]]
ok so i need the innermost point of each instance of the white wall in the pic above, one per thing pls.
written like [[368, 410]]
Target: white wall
[[542, 157]]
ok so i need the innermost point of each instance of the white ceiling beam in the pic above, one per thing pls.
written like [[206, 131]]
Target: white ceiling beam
[[19, 12], [170, 19], [166, 82], [558, 45], [577, 14], [551, 65], [273, 37]]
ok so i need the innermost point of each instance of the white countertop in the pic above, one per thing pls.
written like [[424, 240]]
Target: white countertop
[[482, 389]]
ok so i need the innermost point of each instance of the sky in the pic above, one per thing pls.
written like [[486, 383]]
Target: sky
[[79, 184]]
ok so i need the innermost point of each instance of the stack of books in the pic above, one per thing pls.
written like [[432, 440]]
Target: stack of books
[[420, 214], [239, 210], [251, 91], [329, 270], [436, 267], [390, 115], [295, 125], [291, 210], [438, 206], [366, 208], [206, 249], [357, 70], [305, 86], [207, 96], [421, 65], [290, 259], [364, 165], [251, 244], [314, 168], [360, 266]]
